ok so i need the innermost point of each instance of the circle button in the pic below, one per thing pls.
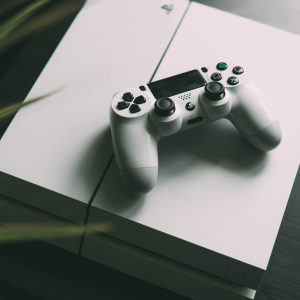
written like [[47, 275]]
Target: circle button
[[190, 106], [216, 76], [221, 66], [233, 80], [238, 70]]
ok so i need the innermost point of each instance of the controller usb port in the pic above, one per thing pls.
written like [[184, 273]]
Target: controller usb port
[[195, 120]]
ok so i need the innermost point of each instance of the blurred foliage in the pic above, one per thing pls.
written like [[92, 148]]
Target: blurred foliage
[[24, 18], [26, 232], [12, 109], [30, 17], [20, 20], [12, 23]]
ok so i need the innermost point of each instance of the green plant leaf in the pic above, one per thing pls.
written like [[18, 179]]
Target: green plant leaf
[[25, 232], [7, 5], [13, 34], [20, 17], [11, 109]]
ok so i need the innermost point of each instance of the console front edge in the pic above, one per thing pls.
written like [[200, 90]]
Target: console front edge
[[172, 247]]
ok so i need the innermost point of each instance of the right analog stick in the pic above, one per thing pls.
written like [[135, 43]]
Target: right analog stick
[[214, 91], [164, 107]]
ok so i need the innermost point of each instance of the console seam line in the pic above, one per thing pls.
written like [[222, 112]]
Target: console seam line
[[170, 42], [91, 201]]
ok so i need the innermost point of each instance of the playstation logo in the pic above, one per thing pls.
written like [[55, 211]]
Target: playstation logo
[[168, 8]]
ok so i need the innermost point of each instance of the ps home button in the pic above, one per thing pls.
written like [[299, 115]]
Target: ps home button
[[238, 70], [222, 66], [190, 106], [233, 80], [216, 77]]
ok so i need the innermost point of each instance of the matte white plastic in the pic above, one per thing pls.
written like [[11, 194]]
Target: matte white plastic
[[135, 141], [54, 153], [166, 126], [135, 135], [216, 194], [251, 111], [266, 139], [216, 109], [139, 181]]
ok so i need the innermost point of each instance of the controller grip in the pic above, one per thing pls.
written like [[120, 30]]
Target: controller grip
[[266, 139], [139, 181], [253, 116], [135, 148]]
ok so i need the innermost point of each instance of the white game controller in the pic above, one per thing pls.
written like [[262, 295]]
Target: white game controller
[[140, 117]]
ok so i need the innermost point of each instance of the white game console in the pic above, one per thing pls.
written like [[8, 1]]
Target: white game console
[[208, 227], [63, 159]]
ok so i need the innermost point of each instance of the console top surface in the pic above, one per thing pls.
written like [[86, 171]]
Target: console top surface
[[214, 189], [65, 139]]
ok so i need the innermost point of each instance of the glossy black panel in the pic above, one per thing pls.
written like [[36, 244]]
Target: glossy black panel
[[177, 84]]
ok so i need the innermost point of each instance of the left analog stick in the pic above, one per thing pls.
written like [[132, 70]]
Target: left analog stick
[[164, 107]]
